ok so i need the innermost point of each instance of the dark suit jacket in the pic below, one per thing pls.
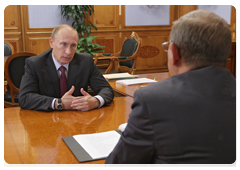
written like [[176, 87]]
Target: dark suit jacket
[[40, 82], [187, 118]]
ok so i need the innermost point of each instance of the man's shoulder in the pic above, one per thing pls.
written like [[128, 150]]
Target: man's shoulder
[[164, 86], [78, 57], [40, 57]]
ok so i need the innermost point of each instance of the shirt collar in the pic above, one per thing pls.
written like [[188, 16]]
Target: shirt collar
[[57, 65]]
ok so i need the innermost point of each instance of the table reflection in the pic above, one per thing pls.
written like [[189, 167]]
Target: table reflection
[[35, 137]]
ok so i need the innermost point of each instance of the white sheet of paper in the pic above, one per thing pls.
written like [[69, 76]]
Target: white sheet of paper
[[118, 75], [98, 145], [136, 81]]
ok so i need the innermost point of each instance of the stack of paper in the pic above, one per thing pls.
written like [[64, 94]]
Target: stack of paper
[[89, 147], [118, 76], [136, 81]]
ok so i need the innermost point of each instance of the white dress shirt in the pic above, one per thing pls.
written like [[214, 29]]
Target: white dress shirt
[[57, 65]]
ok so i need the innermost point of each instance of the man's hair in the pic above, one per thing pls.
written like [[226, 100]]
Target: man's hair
[[203, 39], [59, 27]]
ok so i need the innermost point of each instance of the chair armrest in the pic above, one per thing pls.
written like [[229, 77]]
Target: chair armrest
[[106, 54], [122, 58]]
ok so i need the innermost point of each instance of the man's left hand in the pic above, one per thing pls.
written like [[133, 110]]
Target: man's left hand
[[85, 102]]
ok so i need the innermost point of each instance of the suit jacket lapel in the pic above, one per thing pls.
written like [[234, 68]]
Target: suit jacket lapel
[[52, 73]]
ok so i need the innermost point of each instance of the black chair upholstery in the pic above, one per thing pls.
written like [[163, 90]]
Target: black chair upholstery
[[14, 70], [7, 49], [128, 49]]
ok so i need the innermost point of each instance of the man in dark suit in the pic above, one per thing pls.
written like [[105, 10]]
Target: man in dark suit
[[191, 116], [40, 85]]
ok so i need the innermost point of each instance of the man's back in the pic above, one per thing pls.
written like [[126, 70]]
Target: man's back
[[188, 118], [197, 117]]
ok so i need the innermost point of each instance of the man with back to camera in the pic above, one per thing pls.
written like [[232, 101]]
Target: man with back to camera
[[191, 116], [40, 85]]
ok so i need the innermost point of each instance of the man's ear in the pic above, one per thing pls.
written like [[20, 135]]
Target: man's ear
[[175, 53], [51, 42]]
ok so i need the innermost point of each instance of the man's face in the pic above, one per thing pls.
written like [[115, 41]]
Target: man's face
[[64, 45]]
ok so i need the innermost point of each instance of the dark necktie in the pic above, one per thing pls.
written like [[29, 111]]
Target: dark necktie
[[63, 81]]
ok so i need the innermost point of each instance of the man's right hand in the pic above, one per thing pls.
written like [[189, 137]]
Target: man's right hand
[[67, 99]]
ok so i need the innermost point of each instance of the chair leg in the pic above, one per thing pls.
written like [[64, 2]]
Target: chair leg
[[109, 67]]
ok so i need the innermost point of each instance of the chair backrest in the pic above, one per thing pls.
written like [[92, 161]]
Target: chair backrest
[[14, 70], [8, 49], [130, 47]]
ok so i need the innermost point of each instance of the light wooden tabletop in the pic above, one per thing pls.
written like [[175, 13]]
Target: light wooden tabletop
[[35, 137]]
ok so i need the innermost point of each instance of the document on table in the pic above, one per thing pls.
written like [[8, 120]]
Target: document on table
[[136, 81], [88, 147], [118, 76]]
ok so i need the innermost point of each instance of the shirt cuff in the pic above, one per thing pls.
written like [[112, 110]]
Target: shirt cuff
[[101, 100], [53, 103]]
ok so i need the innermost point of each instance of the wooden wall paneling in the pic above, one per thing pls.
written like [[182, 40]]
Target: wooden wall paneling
[[232, 56], [106, 17], [12, 18], [152, 58], [13, 27], [184, 9], [233, 23], [175, 14], [108, 39], [37, 39], [233, 17], [38, 43]]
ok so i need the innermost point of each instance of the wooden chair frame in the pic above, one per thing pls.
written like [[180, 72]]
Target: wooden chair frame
[[7, 76], [114, 57]]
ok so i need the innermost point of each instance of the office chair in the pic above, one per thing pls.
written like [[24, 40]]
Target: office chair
[[8, 48], [13, 72], [126, 57]]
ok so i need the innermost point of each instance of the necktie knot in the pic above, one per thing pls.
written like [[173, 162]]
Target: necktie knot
[[62, 69]]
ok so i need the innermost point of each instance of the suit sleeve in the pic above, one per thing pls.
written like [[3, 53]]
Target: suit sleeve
[[29, 97], [136, 144], [99, 85]]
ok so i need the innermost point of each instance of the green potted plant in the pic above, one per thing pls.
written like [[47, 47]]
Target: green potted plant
[[79, 14]]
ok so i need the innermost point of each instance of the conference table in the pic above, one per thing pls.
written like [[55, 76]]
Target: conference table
[[128, 90], [35, 137]]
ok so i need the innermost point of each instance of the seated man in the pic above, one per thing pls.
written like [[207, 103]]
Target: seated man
[[40, 88], [191, 116]]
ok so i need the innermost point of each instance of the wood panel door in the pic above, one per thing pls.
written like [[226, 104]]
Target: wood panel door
[[106, 17], [152, 58], [13, 27]]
